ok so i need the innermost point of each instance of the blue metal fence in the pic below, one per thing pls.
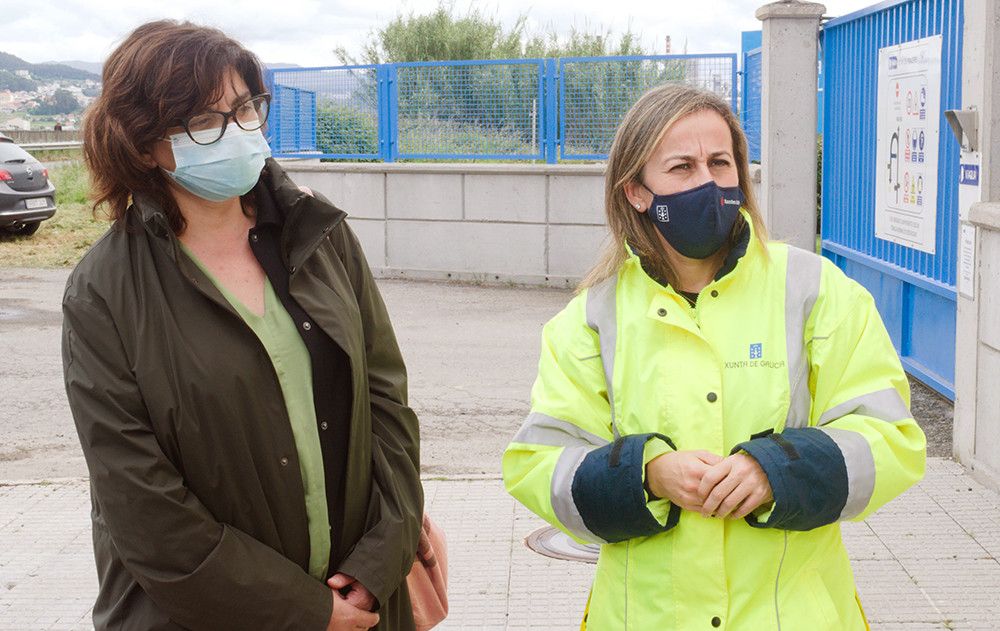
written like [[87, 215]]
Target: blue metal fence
[[295, 109], [469, 109], [596, 92], [914, 290], [750, 110], [333, 112], [516, 109]]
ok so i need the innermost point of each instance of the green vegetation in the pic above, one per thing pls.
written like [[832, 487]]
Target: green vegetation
[[15, 83], [486, 109], [344, 129], [62, 240], [444, 35], [60, 102]]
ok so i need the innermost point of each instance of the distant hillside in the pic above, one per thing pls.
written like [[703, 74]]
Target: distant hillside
[[45, 72], [87, 66]]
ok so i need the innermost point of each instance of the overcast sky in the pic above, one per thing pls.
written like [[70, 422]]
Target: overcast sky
[[305, 32]]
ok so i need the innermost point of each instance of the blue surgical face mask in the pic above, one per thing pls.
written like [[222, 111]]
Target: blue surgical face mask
[[222, 170], [697, 222]]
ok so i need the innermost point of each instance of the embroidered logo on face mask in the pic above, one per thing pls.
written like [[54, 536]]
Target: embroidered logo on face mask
[[662, 213]]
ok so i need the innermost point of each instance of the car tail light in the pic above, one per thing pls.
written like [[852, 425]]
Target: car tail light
[[5, 176], [45, 173]]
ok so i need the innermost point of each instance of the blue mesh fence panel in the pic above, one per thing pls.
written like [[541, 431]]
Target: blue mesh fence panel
[[328, 111], [491, 109], [596, 92], [481, 109], [750, 112]]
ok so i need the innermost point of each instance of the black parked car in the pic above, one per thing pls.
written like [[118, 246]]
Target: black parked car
[[27, 197]]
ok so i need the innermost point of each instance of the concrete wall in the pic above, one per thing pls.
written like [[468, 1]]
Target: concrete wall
[[530, 224], [978, 438], [533, 224]]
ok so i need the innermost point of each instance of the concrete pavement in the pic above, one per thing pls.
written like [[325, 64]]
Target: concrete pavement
[[926, 561]]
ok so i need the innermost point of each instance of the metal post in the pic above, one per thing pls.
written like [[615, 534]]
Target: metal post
[[272, 120], [788, 120], [743, 92], [733, 81], [551, 112], [382, 82], [392, 91]]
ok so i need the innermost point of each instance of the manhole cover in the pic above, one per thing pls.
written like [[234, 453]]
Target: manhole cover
[[556, 544]]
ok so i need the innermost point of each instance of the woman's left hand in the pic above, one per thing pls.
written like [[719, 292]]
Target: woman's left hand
[[734, 488], [358, 595]]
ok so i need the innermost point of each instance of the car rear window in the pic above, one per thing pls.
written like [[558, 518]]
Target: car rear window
[[10, 151]]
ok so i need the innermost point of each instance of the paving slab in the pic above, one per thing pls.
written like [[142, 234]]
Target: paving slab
[[925, 561]]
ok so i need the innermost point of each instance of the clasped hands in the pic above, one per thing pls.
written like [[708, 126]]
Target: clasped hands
[[709, 484], [352, 604]]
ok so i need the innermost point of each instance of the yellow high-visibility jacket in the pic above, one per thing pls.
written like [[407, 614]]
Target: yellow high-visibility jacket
[[782, 357]]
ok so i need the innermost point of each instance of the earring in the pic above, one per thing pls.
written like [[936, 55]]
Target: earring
[[637, 206]]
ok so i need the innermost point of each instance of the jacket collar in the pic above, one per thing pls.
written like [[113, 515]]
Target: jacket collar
[[305, 220], [746, 241]]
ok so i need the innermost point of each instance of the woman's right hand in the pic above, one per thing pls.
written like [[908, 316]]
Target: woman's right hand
[[347, 617], [676, 476]]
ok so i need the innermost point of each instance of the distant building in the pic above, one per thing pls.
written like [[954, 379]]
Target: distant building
[[18, 124], [23, 73]]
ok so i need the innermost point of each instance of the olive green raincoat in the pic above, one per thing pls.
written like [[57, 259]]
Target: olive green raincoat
[[199, 518]]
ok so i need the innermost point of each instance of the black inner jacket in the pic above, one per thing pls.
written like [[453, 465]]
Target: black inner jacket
[[331, 371]]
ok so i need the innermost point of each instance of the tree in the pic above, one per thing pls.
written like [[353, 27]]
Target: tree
[[481, 108], [444, 35], [15, 83], [60, 102]]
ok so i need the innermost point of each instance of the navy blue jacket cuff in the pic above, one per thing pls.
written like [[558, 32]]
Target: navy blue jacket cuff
[[608, 492], [807, 474]]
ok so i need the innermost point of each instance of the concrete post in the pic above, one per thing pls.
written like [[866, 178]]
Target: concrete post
[[788, 119], [977, 340]]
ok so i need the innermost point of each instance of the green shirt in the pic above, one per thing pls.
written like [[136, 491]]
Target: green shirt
[[292, 365]]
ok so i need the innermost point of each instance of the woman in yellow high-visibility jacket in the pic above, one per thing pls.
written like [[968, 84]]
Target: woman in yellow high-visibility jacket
[[711, 405]]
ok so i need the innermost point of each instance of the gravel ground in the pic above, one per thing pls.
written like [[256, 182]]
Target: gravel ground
[[935, 414]]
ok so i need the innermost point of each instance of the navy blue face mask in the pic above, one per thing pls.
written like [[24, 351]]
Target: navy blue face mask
[[697, 222]]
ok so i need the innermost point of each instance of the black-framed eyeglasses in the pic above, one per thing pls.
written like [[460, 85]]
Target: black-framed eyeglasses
[[209, 127]]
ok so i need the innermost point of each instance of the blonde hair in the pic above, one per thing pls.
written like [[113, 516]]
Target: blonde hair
[[637, 137]]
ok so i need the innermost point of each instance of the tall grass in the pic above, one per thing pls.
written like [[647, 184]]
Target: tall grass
[[64, 239]]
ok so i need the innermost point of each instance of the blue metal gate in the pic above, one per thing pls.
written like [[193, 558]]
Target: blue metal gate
[[914, 290], [750, 112]]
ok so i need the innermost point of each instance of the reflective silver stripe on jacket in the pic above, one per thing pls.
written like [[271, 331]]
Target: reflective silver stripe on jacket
[[885, 405], [860, 469], [602, 317], [541, 429], [802, 281]]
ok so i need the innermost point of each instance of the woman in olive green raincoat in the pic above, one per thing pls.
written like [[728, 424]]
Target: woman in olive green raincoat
[[235, 381]]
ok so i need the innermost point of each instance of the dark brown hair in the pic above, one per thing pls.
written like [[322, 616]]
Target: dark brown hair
[[163, 71]]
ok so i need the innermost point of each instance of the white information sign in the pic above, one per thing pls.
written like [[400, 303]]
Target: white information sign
[[969, 192], [908, 124], [967, 261]]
